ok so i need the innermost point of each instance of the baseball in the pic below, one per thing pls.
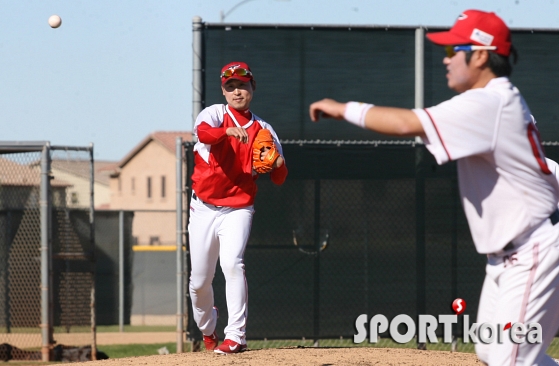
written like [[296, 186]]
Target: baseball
[[55, 21]]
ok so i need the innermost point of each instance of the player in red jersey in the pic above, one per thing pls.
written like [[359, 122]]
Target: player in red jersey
[[224, 188]]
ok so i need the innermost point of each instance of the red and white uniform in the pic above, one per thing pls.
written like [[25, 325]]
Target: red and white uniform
[[221, 213], [508, 194]]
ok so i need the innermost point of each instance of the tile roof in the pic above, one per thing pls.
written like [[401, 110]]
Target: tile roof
[[166, 138], [14, 174], [80, 168]]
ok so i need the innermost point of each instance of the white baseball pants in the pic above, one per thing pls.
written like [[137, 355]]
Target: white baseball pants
[[219, 232], [522, 285]]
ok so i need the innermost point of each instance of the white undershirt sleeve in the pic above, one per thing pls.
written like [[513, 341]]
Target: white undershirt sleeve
[[212, 115]]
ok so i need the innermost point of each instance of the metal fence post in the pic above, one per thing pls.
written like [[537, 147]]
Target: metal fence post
[[197, 71], [92, 249], [44, 206], [419, 177], [419, 67], [5, 271], [316, 303], [454, 255], [419, 71], [121, 271], [420, 232], [193, 332], [180, 266], [93, 326]]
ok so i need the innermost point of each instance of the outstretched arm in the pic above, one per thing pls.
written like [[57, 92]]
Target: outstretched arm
[[385, 120]]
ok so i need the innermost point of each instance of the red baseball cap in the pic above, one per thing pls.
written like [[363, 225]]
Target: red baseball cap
[[476, 27], [236, 70]]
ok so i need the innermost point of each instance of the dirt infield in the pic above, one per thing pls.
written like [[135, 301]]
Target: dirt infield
[[303, 356]]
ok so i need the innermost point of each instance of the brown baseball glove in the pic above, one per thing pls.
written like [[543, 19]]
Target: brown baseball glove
[[264, 143]]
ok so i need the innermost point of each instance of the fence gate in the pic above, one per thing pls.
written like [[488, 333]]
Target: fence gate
[[47, 263]]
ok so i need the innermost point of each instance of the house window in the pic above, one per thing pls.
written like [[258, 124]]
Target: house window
[[149, 187], [74, 198], [133, 185], [163, 186], [154, 240]]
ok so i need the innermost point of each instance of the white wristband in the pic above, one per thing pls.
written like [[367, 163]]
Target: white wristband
[[355, 113]]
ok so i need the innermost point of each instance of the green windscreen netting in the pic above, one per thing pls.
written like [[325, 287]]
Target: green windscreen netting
[[294, 66]]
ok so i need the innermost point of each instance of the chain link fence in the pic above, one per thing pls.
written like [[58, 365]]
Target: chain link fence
[[47, 267], [73, 248], [20, 217], [357, 228]]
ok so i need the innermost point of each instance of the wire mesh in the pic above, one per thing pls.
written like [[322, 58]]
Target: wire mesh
[[71, 268], [20, 275]]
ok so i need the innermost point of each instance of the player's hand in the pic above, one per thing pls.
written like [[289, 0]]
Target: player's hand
[[238, 133], [327, 108], [277, 163]]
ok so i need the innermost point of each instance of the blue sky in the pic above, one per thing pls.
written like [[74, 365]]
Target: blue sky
[[116, 71]]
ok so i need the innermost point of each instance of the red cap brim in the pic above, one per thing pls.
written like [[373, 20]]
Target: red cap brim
[[447, 39]]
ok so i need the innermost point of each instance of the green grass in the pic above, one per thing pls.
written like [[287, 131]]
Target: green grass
[[136, 328], [134, 350]]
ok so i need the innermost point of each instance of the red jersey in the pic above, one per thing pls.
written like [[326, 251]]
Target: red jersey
[[223, 174]]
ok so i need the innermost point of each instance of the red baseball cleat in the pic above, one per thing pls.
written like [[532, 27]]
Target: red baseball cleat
[[228, 346], [211, 341]]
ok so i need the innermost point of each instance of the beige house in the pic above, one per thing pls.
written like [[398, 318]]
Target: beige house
[[77, 173], [145, 182]]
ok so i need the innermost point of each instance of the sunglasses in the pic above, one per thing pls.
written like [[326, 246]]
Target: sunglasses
[[239, 71], [451, 50]]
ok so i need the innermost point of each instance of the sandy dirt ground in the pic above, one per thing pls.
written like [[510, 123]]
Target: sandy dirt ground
[[277, 356], [303, 356]]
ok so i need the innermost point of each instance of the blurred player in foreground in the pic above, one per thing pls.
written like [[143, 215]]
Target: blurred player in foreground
[[224, 188], [508, 193]]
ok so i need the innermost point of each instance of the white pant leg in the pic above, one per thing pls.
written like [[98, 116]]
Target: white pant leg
[[486, 311], [204, 251], [542, 307], [233, 234], [525, 289]]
